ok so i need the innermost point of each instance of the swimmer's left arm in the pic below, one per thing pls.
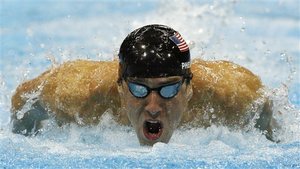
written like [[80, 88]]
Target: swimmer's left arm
[[267, 123]]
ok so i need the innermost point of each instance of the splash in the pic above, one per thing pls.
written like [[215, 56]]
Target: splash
[[216, 30]]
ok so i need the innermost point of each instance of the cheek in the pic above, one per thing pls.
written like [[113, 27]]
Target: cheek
[[176, 108], [132, 108]]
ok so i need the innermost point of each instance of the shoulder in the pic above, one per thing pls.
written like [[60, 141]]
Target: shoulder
[[224, 75], [224, 86]]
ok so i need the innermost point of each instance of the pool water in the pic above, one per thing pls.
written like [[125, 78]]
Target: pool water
[[263, 36]]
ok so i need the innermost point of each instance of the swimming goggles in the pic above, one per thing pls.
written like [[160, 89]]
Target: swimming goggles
[[166, 91]]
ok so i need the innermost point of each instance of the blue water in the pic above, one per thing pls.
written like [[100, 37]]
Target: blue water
[[263, 36]]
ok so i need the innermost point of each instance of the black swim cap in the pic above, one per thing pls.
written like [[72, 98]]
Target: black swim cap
[[154, 51]]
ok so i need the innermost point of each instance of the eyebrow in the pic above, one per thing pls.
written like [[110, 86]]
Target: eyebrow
[[173, 80], [164, 82]]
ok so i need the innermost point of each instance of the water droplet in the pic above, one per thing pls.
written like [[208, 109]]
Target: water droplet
[[144, 54], [267, 52], [20, 115], [99, 54], [200, 30], [2, 84], [283, 55], [24, 131], [213, 116], [191, 44]]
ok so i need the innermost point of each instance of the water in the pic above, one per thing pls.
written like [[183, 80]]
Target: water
[[260, 35]]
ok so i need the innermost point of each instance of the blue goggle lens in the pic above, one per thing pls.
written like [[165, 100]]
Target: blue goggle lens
[[166, 92], [138, 90], [169, 91]]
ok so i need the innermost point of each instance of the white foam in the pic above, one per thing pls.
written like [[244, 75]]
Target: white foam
[[266, 45]]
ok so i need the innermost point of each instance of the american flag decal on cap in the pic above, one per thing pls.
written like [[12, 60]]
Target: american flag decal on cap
[[180, 42]]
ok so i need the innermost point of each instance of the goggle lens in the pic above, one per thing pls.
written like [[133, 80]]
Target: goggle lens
[[169, 91], [138, 90], [166, 92]]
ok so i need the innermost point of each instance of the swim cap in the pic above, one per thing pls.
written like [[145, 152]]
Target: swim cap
[[154, 51]]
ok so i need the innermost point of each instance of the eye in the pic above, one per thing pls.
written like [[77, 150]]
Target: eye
[[170, 90], [137, 90]]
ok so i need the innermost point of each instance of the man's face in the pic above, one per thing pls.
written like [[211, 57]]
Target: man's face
[[153, 117]]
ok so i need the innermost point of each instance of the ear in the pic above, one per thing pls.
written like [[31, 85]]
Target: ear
[[189, 91], [123, 118], [121, 93], [121, 89]]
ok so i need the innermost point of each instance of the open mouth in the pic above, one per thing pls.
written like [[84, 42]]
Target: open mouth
[[152, 129]]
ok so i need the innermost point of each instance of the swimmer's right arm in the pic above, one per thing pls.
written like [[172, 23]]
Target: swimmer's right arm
[[27, 112], [76, 91], [28, 123]]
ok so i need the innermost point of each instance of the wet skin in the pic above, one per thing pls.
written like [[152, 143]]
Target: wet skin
[[87, 89], [153, 117]]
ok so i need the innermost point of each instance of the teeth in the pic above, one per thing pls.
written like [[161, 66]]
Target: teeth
[[153, 121]]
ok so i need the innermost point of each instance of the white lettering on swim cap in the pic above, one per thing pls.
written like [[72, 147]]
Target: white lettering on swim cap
[[185, 65]]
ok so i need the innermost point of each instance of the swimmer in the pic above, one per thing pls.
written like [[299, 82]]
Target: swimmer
[[153, 87]]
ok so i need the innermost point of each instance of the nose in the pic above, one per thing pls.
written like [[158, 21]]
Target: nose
[[153, 107]]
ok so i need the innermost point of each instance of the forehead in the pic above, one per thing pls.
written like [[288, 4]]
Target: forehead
[[155, 81]]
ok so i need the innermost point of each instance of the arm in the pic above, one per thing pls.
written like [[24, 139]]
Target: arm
[[226, 94], [77, 91], [29, 123], [267, 123], [27, 113]]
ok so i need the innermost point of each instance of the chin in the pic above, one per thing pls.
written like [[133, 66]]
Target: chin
[[145, 142]]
